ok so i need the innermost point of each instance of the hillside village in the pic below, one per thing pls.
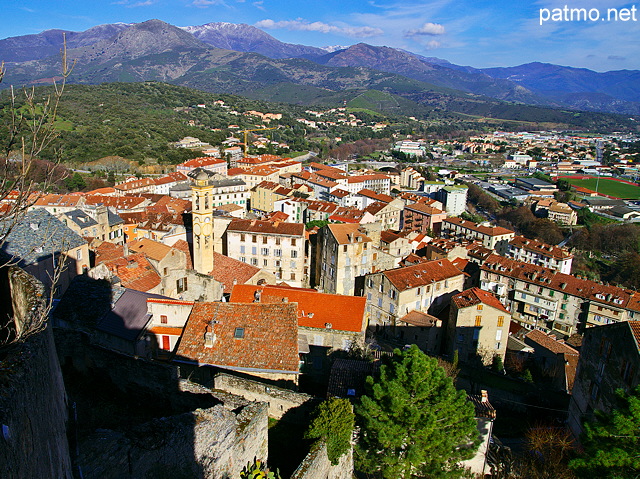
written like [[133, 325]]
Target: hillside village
[[263, 276]]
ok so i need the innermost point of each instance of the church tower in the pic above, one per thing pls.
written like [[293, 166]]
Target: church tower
[[202, 215]]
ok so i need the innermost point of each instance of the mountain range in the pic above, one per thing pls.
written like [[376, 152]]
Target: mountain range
[[239, 58]]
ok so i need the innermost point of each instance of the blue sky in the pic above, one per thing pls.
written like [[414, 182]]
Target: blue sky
[[478, 33]]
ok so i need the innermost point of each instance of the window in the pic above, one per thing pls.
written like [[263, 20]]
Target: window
[[498, 334], [293, 241], [294, 253], [277, 252], [264, 240], [478, 321], [500, 321], [242, 237], [254, 239], [79, 254], [293, 265], [254, 250], [165, 271], [563, 306], [276, 263], [344, 248], [369, 282], [277, 241], [163, 319], [265, 263], [418, 291], [379, 302], [181, 285], [264, 251], [393, 294], [293, 276], [480, 307], [254, 261], [242, 250], [166, 343], [238, 333]]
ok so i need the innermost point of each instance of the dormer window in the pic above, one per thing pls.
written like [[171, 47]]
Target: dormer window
[[238, 333]]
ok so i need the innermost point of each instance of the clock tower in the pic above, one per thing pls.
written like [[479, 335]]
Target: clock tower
[[202, 215]]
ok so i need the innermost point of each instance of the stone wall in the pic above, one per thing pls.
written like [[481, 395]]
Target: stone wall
[[211, 443], [317, 466], [33, 410], [283, 403]]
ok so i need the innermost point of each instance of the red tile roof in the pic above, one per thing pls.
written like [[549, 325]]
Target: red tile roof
[[486, 230], [135, 272], [315, 310], [422, 274], [266, 227], [419, 318], [230, 272], [348, 234], [539, 247], [475, 296], [108, 251], [550, 342], [269, 342]]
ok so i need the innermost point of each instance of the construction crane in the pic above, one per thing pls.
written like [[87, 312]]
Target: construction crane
[[247, 131]]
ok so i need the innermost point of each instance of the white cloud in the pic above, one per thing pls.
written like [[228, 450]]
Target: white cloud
[[146, 3], [428, 28], [206, 3], [258, 5], [303, 25]]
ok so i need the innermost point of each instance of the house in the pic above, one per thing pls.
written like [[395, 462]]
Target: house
[[477, 327], [97, 222], [258, 339], [278, 248], [326, 320], [562, 213], [609, 360], [224, 191], [38, 243], [388, 214], [163, 331], [421, 329], [556, 360], [215, 165], [344, 252], [422, 287]]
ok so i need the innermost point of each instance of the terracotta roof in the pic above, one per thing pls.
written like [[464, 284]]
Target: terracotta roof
[[418, 318], [363, 178], [230, 272], [150, 248], [389, 236], [266, 227], [376, 196], [315, 310], [564, 283], [539, 247], [342, 233], [635, 329], [108, 251], [201, 162], [550, 342], [475, 296], [422, 274], [338, 193], [424, 209], [486, 230], [269, 341], [134, 272]]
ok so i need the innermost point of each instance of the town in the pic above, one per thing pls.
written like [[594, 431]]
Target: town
[[261, 283]]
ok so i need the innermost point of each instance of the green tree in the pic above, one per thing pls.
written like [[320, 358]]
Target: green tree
[[333, 423], [75, 182], [413, 422], [612, 441]]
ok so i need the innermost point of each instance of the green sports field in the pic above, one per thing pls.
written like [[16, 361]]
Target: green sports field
[[609, 187]]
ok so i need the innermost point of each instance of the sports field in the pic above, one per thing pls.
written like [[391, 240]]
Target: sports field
[[609, 187]]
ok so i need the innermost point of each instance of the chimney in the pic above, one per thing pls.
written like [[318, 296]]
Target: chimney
[[256, 296], [484, 396]]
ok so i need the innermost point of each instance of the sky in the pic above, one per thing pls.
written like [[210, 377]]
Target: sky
[[479, 33]]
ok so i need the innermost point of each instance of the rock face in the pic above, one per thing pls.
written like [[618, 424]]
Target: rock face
[[206, 443], [33, 410], [246, 38]]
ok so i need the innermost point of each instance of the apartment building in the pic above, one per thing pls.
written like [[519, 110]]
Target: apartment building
[[423, 218], [492, 237], [539, 253], [278, 248]]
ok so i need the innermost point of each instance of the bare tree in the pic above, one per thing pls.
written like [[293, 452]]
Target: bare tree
[[30, 128]]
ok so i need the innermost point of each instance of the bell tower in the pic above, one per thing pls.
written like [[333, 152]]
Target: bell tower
[[202, 215]]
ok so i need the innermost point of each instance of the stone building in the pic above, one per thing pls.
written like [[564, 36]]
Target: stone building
[[492, 237], [609, 360], [424, 287], [478, 326]]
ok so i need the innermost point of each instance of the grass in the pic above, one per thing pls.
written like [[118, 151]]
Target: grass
[[609, 187]]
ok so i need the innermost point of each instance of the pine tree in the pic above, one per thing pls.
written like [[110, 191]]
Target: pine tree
[[612, 442], [413, 422]]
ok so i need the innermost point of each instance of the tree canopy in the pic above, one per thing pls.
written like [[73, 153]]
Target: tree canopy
[[333, 422], [413, 422], [612, 441]]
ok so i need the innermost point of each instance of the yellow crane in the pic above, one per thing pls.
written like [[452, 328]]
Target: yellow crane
[[255, 129]]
